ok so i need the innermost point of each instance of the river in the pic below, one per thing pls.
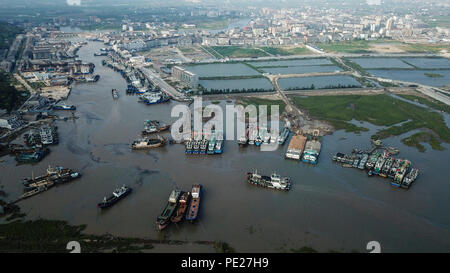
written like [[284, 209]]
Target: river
[[328, 207]]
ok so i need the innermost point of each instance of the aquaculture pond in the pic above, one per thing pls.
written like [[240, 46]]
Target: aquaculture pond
[[237, 84], [427, 77], [296, 62], [321, 82], [222, 70]]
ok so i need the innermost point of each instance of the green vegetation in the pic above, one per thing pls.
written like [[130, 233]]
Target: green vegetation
[[380, 110], [10, 97], [257, 101], [425, 48], [414, 141], [222, 247], [433, 75], [214, 24], [436, 21], [238, 51], [8, 34], [353, 46], [36, 85], [429, 102], [305, 249], [283, 51]]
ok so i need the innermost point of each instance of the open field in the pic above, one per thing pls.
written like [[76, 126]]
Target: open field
[[236, 51], [398, 116], [284, 51], [259, 101], [382, 46]]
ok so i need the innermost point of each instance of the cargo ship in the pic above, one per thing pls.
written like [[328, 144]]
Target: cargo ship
[[312, 150], [183, 203], [33, 192], [283, 136], [147, 143], [117, 195], [410, 178], [154, 126], [194, 207], [274, 181], [164, 219], [115, 94], [64, 107], [296, 147]]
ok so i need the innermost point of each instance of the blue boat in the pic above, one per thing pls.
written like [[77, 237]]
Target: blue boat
[[219, 147], [194, 206]]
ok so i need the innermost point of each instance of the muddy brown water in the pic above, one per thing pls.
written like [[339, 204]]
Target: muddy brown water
[[328, 207]]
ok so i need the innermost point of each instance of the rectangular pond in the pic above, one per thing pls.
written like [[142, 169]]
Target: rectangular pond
[[301, 69], [429, 63], [222, 70], [296, 62], [368, 63], [256, 84], [417, 76], [322, 82]]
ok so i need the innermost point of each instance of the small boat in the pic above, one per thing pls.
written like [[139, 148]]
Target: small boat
[[219, 147], [195, 203], [163, 220], [118, 194], [147, 143], [115, 94], [154, 126], [183, 203], [64, 107], [188, 147]]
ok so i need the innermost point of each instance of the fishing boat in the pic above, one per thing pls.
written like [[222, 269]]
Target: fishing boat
[[192, 213], [183, 203], [154, 126], [163, 220], [117, 195], [147, 143], [64, 107]]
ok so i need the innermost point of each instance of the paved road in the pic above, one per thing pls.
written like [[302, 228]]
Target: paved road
[[156, 80]]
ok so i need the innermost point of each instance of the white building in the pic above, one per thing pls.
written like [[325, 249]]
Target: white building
[[185, 76]]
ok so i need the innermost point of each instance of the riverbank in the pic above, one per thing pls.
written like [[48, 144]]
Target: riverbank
[[397, 117]]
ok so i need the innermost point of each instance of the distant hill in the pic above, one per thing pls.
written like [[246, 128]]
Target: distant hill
[[8, 34]]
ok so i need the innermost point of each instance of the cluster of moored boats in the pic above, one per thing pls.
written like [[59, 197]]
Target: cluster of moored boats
[[382, 164], [262, 135], [36, 140], [205, 144], [274, 181], [305, 148], [181, 204], [54, 176], [148, 142]]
